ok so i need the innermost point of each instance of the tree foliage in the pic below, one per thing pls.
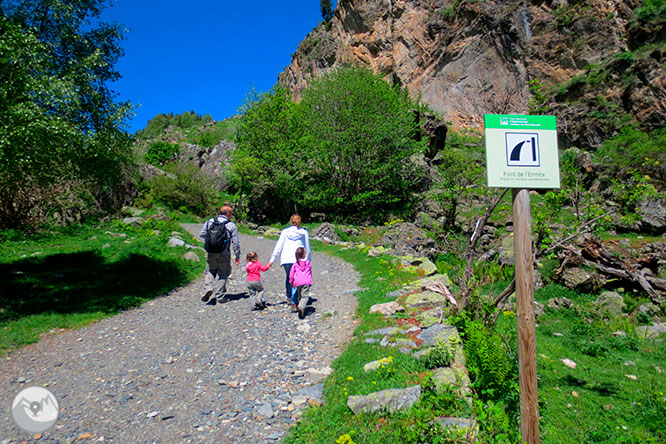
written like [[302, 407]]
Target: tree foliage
[[345, 150], [160, 152], [59, 123], [326, 9], [157, 125], [187, 189]]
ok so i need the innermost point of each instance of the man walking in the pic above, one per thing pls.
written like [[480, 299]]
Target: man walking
[[219, 235]]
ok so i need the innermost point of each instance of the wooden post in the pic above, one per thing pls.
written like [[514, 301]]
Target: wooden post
[[529, 406]]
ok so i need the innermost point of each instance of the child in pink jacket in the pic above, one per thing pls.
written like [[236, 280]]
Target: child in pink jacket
[[255, 288], [300, 277]]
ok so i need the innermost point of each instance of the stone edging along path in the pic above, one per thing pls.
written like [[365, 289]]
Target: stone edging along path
[[178, 371]]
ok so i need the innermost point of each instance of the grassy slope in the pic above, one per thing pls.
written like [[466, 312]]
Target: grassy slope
[[70, 279]]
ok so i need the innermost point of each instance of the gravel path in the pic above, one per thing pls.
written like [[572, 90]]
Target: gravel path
[[178, 371]]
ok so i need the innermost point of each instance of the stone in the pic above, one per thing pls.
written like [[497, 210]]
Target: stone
[[376, 251], [649, 309], [405, 238], [650, 331], [430, 317], [569, 363], [390, 401], [466, 426], [131, 211], [420, 265], [266, 411], [425, 299], [386, 331], [175, 242], [581, 280], [396, 293], [387, 308], [272, 232], [610, 303], [325, 232], [507, 253], [439, 334], [653, 215], [441, 278], [539, 309], [456, 378], [376, 365], [559, 303], [134, 221], [312, 392], [191, 256]]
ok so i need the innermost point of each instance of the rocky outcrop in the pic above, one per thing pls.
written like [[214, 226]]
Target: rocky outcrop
[[212, 161], [468, 58]]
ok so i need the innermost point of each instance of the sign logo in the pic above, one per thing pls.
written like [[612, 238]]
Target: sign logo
[[504, 120], [35, 409], [522, 149]]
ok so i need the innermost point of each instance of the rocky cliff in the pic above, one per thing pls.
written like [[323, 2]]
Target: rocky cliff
[[466, 58]]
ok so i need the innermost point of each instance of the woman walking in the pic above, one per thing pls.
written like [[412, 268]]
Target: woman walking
[[291, 239]]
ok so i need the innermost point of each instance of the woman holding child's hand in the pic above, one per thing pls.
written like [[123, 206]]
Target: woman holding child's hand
[[291, 239]]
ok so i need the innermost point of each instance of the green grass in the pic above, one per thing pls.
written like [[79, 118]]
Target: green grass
[[71, 278], [609, 406], [334, 422]]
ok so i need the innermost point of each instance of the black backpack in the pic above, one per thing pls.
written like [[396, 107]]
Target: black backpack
[[217, 240]]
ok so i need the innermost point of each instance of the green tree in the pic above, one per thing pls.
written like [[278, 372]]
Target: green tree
[[186, 189], [269, 134], [346, 149], [360, 132], [326, 9], [59, 125], [161, 152]]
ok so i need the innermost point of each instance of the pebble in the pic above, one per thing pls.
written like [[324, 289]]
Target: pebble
[[175, 358]]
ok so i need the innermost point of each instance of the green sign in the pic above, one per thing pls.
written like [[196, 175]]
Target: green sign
[[521, 151]]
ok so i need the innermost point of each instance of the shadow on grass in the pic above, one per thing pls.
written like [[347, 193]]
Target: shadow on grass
[[82, 282]]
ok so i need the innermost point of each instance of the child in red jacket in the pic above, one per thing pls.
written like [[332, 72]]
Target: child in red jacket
[[300, 278], [255, 288]]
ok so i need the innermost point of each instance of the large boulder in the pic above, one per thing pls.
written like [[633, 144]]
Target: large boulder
[[610, 303], [408, 239], [653, 216], [581, 280], [391, 400], [325, 232], [426, 299], [421, 265], [212, 161]]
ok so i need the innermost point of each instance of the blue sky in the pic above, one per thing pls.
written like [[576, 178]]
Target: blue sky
[[204, 55]]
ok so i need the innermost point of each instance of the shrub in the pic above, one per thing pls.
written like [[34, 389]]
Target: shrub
[[492, 368], [438, 356], [636, 150], [161, 122], [188, 188], [161, 152]]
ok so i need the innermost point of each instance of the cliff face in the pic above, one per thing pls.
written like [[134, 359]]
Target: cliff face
[[467, 58]]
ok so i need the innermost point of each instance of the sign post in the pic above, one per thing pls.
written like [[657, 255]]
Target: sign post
[[521, 153]]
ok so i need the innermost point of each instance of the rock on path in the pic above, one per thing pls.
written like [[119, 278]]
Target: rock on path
[[178, 371]]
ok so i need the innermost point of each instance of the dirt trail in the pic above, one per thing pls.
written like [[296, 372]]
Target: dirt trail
[[176, 370]]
